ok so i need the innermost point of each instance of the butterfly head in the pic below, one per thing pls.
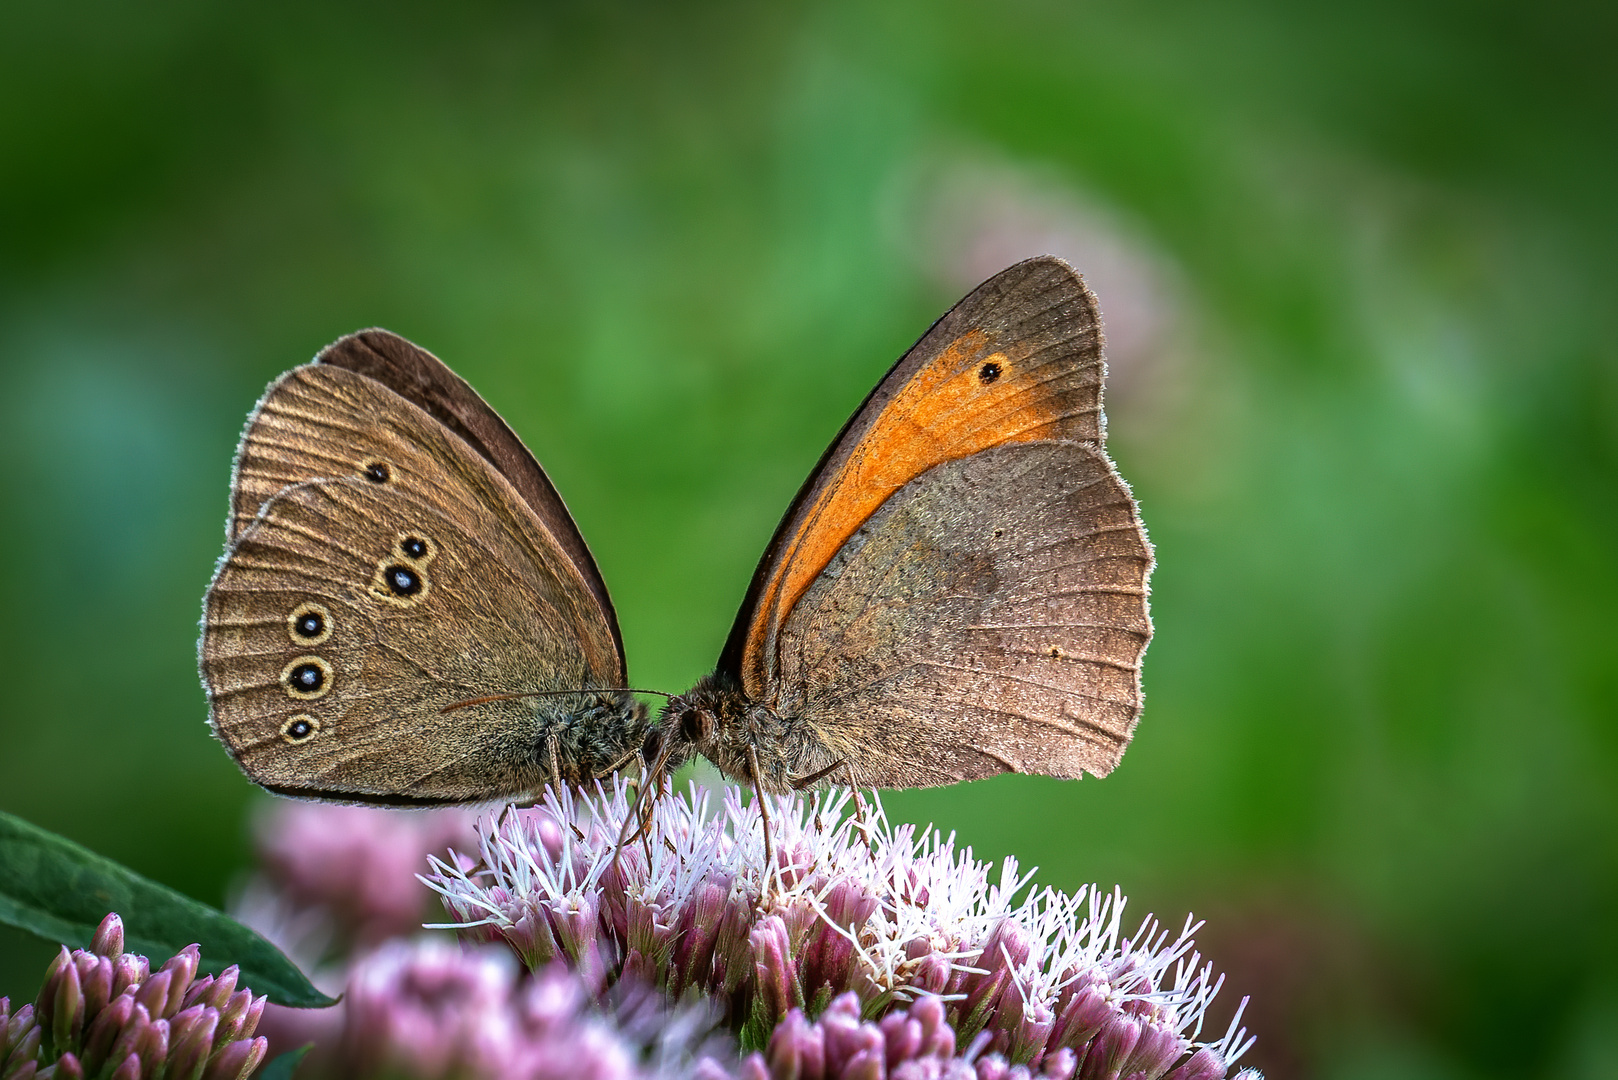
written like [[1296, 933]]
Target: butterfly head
[[692, 722]]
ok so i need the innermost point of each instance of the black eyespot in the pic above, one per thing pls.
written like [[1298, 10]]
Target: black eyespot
[[414, 547], [299, 728], [307, 678], [377, 472], [402, 580], [988, 372], [309, 623]]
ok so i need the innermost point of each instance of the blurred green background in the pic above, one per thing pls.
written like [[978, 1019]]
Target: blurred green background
[[1357, 262]]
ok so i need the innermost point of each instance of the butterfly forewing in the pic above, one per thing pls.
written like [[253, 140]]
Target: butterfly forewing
[[421, 378], [1018, 360]]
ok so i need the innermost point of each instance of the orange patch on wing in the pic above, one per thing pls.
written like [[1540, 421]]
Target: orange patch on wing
[[946, 411]]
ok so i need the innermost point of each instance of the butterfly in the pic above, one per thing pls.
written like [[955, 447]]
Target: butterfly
[[960, 587], [406, 613], [398, 568]]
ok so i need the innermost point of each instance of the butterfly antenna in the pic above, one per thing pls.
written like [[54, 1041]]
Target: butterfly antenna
[[469, 702]]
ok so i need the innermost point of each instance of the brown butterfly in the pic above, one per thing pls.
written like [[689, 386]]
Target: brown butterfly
[[960, 587], [405, 612]]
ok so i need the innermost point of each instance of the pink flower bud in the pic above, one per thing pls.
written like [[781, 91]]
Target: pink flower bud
[[865, 1065], [1081, 1018], [937, 1037], [67, 1020], [578, 932], [95, 976], [104, 1030], [732, 953], [778, 988], [130, 1035], [223, 986], [128, 970], [700, 923], [1059, 1065], [154, 1046], [1111, 1048], [847, 1039], [1030, 1035], [194, 994], [233, 1017], [1205, 1064], [237, 1060], [128, 1069], [153, 994], [182, 967], [1005, 947], [796, 1049], [1159, 1047], [255, 1009], [902, 1034], [60, 1007], [192, 1032], [109, 937], [67, 1067], [25, 1042]]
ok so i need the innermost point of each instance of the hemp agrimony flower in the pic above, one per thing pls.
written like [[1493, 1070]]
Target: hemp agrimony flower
[[104, 1013], [889, 937]]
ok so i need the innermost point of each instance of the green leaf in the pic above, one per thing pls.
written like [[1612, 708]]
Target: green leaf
[[54, 888], [285, 1064]]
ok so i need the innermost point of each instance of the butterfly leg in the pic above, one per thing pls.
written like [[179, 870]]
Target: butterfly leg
[[556, 765], [862, 822], [763, 810], [800, 782], [615, 766]]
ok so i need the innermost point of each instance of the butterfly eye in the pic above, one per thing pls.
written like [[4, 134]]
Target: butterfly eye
[[377, 472], [651, 747], [988, 373], [696, 725]]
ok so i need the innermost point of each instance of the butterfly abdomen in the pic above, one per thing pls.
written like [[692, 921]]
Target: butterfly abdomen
[[591, 740]]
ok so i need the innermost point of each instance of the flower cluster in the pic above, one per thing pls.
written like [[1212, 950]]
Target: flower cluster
[[104, 1013], [851, 912], [345, 873], [430, 1010]]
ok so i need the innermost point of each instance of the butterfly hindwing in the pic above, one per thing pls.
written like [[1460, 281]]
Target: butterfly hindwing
[[971, 627]]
